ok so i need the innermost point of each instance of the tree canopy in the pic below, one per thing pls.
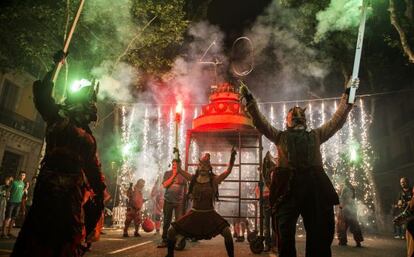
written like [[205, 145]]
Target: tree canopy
[[149, 34], [108, 30]]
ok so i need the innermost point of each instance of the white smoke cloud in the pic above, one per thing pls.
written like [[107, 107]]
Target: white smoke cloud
[[340, 15], [287, 64], [189, 78], [115, 82]]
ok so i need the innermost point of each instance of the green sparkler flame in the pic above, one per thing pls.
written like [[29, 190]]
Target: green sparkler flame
[[79, 84]]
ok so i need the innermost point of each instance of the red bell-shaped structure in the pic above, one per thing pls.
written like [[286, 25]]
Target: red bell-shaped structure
[[223, 112]]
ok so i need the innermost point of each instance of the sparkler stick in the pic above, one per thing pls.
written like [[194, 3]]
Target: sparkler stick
[[358, 51], [67, 40]]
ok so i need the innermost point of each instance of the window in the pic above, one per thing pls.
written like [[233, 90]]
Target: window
[[9, 94]]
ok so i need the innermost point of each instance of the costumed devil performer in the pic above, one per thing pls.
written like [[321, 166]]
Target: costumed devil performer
[[347, 215], [299, 185], [55, 224], [202, 221]]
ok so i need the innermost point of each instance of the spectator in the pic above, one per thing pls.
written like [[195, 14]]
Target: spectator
[[27, 198], [13, 204], [174, 198], [4, 195], [404, 197], [407, 218]]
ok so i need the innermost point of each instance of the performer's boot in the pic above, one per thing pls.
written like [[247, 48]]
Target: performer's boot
[[136, 233], [170, 247], [125, 234], [229, 248]]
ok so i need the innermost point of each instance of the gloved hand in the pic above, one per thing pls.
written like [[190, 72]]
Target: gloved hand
[[59, 56], [245, 92], [176, 154], [351, 83]]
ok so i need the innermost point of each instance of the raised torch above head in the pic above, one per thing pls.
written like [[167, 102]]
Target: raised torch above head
[[178, 111], [353, 85]]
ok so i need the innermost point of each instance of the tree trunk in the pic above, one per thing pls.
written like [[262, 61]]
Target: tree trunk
[[403, 37]]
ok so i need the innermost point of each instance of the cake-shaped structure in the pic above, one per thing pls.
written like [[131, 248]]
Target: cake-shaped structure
[[224, 111]]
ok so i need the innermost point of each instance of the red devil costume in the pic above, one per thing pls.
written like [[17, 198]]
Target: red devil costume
[[56, 223], [134, 209]]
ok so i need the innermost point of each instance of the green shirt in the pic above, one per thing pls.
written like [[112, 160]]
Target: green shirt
[[16, 191]]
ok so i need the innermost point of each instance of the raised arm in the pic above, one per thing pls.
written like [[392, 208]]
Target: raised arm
[[169, 179], [184, 173], [43, 100], [42, 92], [177, 164], [328, 129], [259, 121], [226, 173]]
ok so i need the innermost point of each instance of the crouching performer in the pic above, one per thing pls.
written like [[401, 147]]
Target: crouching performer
[[202, 221], [299, 185], [55, 224]]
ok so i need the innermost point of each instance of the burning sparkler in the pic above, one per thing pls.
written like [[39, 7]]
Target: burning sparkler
[[178, 111]]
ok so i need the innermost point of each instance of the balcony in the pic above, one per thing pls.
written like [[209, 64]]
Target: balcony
[[18, 122]]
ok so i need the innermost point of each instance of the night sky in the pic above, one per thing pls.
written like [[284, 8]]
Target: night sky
[[233, 16]]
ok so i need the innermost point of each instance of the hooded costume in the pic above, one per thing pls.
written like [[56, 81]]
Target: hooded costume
[[68, 197]]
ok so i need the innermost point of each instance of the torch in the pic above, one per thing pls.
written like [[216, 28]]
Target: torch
[[178, 110], [358, 51]]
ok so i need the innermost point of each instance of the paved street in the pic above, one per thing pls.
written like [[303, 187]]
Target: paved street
[[113, 245]]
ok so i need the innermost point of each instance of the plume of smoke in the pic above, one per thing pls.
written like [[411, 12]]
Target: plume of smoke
[[340, 15], [115, 81], [113, 30], [189, 78], [294, 63]]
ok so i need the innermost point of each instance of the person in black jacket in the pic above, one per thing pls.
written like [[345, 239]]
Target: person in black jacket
[[300, 185]]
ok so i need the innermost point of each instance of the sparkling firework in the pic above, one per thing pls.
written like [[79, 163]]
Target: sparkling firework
[[156, 144]]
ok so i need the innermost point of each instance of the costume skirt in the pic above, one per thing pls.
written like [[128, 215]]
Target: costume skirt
[[200, 224]]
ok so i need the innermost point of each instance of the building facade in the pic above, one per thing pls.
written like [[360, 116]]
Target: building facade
[[392, 138], [21, 127]]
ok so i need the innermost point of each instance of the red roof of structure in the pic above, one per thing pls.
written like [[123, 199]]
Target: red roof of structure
[[223, 112]]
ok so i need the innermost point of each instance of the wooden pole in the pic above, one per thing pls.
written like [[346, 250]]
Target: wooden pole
[[67, 41]]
